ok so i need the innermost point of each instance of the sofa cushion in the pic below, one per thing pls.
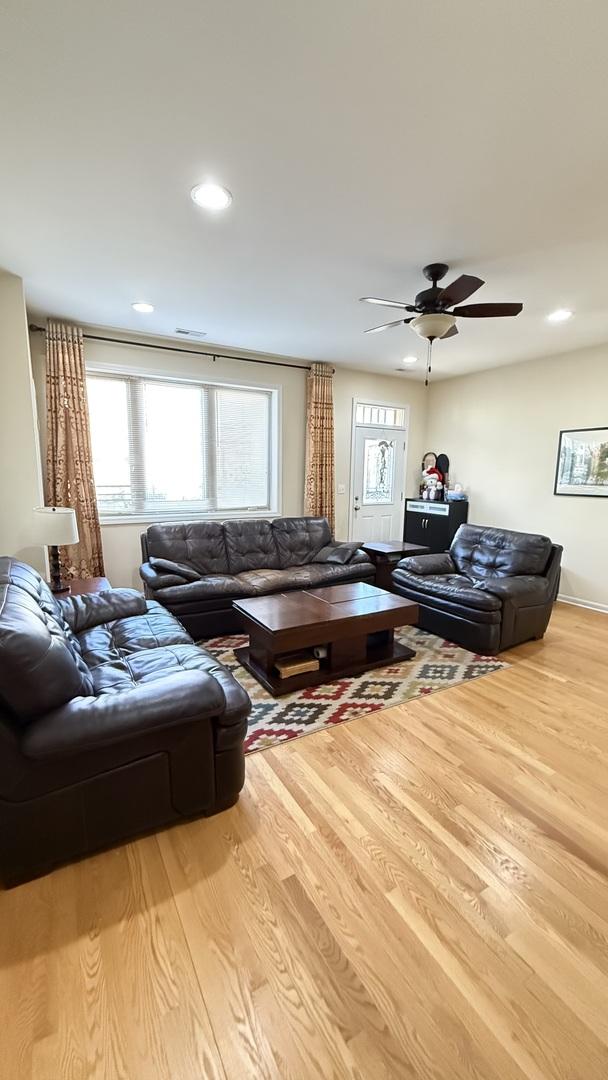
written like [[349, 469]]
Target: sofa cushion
[[479, 552], [250, 546], [300, 577], [452, 607], [123, 672], [337, 553], [453, 587], [226, 585], [299, 539], [41, 666], [199, 544], [154, 629]]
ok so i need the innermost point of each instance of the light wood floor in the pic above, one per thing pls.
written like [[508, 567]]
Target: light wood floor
[[421, 893]]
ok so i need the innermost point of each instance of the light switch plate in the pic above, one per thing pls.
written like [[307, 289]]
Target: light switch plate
[[341, 489]]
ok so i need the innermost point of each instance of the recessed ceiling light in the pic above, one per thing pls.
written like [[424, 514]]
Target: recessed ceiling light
[[409, 360], [142, 307], [211, 196], [561, 315]]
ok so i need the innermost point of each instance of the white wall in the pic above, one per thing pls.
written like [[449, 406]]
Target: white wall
[[121, 545], [500, 429], [20, 476]]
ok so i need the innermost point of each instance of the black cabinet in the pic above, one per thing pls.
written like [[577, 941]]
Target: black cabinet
[[433, 523]]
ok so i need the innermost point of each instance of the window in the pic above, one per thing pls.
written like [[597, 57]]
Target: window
[[176, 450], [379, 415]]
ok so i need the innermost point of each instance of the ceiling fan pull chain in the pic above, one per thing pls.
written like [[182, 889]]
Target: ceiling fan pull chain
[[429, 346]]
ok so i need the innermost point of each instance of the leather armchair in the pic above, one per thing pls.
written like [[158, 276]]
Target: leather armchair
[[112, 723], [494, 589]]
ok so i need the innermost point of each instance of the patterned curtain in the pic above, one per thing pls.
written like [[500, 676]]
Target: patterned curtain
[[319, 477], [69, 464]]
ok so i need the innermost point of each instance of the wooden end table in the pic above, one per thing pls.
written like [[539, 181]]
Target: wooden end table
[[80, 586], [356, 622], [386, 555]]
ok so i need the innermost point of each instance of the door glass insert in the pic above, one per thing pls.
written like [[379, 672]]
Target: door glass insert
[[378, 471], [379, 416]]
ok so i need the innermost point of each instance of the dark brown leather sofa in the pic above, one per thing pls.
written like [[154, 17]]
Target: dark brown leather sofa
[[495, 588], [112, 723], [198, 569]]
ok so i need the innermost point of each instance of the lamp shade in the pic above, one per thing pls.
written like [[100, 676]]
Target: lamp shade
[[55, 525]]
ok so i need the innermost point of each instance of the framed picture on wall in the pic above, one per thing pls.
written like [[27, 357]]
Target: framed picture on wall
[[582, 462]]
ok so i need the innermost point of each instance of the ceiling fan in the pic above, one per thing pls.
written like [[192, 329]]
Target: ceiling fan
[[431, 318]]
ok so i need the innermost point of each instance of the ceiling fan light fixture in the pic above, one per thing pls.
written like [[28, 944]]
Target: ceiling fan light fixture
[[434, 325]]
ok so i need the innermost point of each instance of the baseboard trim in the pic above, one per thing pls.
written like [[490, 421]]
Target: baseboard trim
[[582, 603]]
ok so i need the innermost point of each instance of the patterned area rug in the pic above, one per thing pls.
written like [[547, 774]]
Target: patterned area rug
[[437, 665]]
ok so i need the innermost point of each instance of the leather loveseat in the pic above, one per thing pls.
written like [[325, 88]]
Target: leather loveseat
[[112, 723], [198, 569], [495, 588]]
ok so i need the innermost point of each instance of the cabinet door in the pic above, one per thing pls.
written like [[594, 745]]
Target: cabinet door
[[415, 528], [437, 533]]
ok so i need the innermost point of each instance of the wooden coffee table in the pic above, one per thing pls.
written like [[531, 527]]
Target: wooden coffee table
[[356, 622]]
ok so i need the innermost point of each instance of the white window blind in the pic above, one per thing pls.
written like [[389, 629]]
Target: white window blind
[[169, 450]]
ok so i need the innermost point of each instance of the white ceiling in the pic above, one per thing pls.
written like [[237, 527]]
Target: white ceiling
[[361, 139]]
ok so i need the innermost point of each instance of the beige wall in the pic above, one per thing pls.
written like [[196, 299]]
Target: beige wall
[[20, 476], [121, 542], [500, 429]]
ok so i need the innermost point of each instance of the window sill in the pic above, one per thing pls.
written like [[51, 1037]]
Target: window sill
[[156, 519]]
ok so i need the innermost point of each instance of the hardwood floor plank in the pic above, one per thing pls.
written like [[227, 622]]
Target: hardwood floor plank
[[421, 894]]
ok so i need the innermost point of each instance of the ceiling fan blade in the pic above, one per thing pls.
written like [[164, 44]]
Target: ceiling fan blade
[[451, 332], [388, 303], [385, 326], [487, 311], [460, 290]]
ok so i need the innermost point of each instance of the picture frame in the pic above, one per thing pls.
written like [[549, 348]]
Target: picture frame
[[582, 462]]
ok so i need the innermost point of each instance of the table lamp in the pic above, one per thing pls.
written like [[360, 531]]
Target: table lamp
[[54, 527]]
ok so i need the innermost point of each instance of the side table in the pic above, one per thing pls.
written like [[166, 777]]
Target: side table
[[386, 555], [79, 586]]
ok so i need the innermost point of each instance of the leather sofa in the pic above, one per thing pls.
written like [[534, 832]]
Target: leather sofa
[[198, 569], [493, 589], [112, 723]]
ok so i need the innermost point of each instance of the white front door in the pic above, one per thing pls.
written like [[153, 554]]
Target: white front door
[[377, 476]]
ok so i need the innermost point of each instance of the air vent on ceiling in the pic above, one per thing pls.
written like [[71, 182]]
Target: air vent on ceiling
[[181, 330]]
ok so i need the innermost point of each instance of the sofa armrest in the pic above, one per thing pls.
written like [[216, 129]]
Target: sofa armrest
[[167, 566], [439, 563], [86, 723], [154, 581], [360, 556], [524, 590], [91, 609], [338, 552]]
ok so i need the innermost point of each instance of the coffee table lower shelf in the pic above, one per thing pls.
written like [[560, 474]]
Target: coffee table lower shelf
[[375, 656]]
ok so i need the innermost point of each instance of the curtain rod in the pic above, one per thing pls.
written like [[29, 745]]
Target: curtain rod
[[175, 348]]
